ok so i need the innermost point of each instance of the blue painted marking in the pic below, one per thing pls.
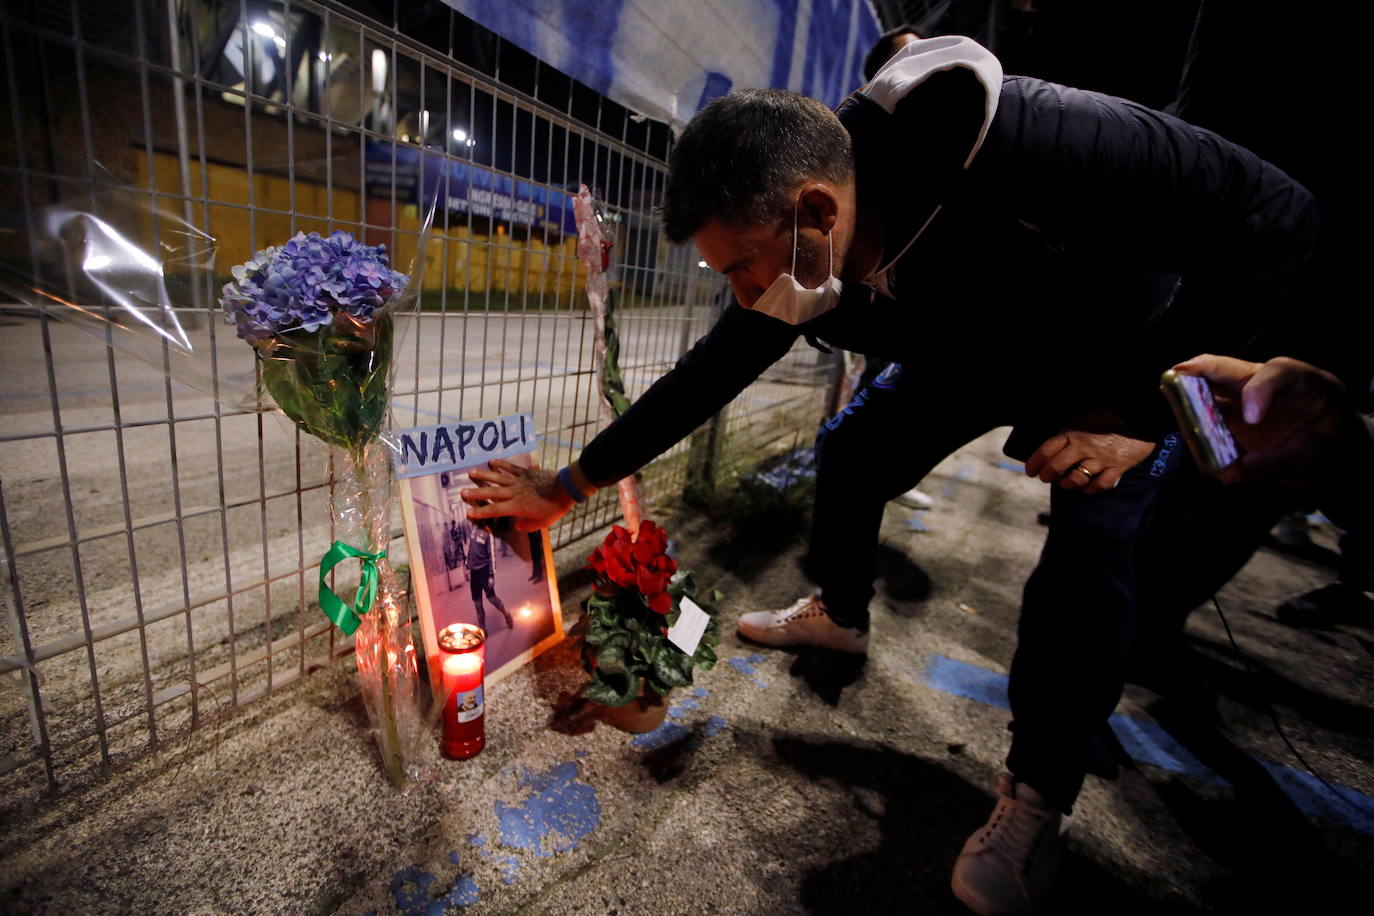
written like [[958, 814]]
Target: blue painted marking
[[580, 754], [559, 812], [1147, 742], [917, 524], [679, 710], [453, 857], [745, 665], [1317, 518], [662, 736], [713, 726], [967, 681], [1348, 807], [410, 889], [510, 868], [463, 893], [1015, 467], [477, 839], [699, 692], [959, 476]]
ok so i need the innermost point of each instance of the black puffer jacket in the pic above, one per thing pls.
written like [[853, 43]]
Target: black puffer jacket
[[1088, 244]]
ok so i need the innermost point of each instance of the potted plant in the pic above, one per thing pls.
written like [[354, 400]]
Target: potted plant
[[638, 598]]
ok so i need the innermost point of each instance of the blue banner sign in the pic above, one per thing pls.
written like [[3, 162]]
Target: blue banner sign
[[666, 60], [465, 188]]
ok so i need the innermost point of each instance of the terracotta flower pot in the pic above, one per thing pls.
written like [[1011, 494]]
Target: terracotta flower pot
[[642, 714]]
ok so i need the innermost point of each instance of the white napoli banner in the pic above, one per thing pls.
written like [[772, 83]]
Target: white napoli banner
[[668, 58]]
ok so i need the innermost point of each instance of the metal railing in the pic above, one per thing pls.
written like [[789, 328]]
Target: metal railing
[[159, 545]]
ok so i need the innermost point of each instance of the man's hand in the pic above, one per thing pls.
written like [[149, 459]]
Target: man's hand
[[1287, 416], [1087, 461], [533, 497]]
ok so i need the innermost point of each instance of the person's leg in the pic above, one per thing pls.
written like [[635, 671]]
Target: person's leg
[[536, 556], [490, 585], [1202, 533], [476, 586], [1076, 626], [885, 442]]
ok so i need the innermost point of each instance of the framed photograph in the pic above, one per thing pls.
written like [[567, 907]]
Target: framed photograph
[[469, 570]]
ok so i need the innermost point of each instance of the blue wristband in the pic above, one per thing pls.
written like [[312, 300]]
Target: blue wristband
[[565, 478]]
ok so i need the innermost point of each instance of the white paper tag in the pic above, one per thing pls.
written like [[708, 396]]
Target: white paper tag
[[691, 624]]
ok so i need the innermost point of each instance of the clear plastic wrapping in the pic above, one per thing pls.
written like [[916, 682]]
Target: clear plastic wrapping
[[319, 311]]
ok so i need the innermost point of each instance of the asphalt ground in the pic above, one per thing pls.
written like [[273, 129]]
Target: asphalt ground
[[783, 781]]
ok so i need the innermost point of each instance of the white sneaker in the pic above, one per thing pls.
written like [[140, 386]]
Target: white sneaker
[[915, 499], [803, 623], [1008, 865]]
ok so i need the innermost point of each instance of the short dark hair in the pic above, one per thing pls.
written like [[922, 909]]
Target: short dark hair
[[884, 48], [739, 160]]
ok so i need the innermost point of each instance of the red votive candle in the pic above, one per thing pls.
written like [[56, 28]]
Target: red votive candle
[[462, 654]]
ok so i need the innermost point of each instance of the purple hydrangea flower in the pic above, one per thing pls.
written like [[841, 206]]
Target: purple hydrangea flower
[[300, 285]]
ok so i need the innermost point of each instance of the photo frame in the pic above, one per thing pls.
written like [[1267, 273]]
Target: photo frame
[[469, 571]]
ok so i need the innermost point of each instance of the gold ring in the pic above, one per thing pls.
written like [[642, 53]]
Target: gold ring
[[1079, 467]]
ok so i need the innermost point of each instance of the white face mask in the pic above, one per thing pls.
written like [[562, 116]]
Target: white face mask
[[789, 301]]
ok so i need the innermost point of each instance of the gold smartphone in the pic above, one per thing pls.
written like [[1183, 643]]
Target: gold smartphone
[[1200, 421]]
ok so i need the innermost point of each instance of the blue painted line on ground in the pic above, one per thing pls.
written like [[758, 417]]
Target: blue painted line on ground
[[917, 524], [557, 815], [713, 726], [1015, 467], [965, 680], [678, 710], [1149, 743], [746, 664], [662, 736], [510, 869], [410, 890], [959, 476]]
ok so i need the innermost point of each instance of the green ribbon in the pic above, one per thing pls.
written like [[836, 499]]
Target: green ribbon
[[348, 618]]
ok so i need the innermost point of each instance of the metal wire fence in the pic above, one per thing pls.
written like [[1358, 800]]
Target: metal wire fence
[[159, 545]]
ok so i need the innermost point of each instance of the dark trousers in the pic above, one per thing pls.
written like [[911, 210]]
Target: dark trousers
[[1077, 615], [882, 444], [1078, 620], [481, 584]]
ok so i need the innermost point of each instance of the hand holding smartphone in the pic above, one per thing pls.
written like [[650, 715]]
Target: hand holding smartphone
[[1200, 421]]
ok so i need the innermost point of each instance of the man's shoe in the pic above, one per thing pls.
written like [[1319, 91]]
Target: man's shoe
[[803, 623], [1008, 865], [915, 499]]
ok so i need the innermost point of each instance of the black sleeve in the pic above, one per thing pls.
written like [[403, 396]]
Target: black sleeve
[[1133, 188], [734, 353], [1109, 176]]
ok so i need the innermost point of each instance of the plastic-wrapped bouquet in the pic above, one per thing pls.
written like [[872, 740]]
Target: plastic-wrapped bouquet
[[319, 312], [316, 310]]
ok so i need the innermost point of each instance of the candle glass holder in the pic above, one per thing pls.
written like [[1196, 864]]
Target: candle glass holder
[[462, 653]]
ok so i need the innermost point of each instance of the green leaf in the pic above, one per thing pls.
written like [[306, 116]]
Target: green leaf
[[668, 671], [612, 690], [611, 659], [705, 657]]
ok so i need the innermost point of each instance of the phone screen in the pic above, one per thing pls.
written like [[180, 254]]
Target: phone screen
[[1210, 421]]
